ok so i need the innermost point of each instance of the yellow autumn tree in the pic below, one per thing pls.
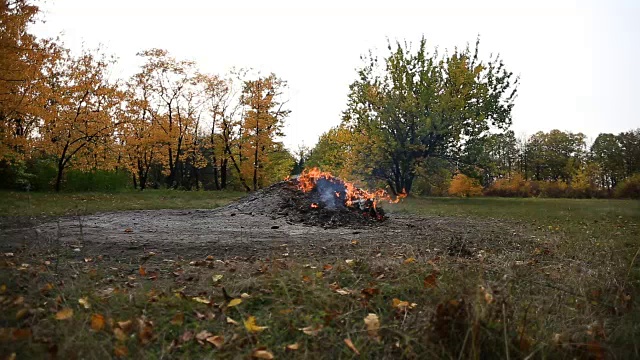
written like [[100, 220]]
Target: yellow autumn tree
[[464, 186], [176, 106], [261, 124], [78, 118], [21, 59]]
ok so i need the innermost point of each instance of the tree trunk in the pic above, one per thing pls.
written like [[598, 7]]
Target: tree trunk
[[59, 177], [223, 174]]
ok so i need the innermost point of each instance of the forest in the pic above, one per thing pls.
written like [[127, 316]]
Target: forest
[[426, 123]]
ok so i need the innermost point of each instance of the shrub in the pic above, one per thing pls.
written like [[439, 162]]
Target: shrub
[[515, 186], [98, 180], [629, 188], [462, 185], [554, 189]]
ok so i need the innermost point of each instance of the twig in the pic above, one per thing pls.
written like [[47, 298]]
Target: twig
[[504, 328]]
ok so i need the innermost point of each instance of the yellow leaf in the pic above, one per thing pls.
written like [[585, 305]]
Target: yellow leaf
[[3, 288], [234, 302], [343, 291], [216, 278], [217, 341], [201, 300], [97, 322], [21, 313], [397, 303], [245, 296], [142, 271], [251, 326], [262, 354], [178, 319], [84, 301], [64, 314], [294, 346], [373, 325], [231, 321], [410, 260], [351, 346]]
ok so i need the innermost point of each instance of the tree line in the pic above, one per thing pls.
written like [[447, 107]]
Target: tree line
[[439, 124], [168, 125], [416, 121]]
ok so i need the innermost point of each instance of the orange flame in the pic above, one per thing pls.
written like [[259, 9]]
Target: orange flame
[[307, 181]]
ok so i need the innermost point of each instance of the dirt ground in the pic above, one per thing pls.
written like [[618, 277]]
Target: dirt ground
[[230, 233]]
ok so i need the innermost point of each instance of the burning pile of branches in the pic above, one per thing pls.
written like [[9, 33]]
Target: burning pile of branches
[[315, 198], [332, 194]]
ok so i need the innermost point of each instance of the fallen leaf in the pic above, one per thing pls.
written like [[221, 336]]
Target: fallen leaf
[[187, 336], [409, 260], [327, 267], [3, 288], [201, 300], [119, 334], [234, 302], [217, 340], [120, 351], [97, 322], [64, 314], [142, 271], [251, 326], [128, 230], [19, 300], [145, 331], [430, 281], [355, 242], [21, 313], [21, 334], [403, 305], [203, 335], [216, 278], [351, 346], [125, 325], [262, 354], [231, 321], [177, 319], [245, 296], [306, 279], [373, 325], [294, 346], [343, 291], [312, 330], [349, 262], [84, 301]]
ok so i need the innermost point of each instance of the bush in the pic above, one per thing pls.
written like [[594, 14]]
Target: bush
[[97, 180], [516, 186], [629, 188], [554, 189], [462, 185]]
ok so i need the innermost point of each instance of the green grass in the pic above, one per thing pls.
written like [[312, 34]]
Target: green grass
[[575, 295], [53, 204]]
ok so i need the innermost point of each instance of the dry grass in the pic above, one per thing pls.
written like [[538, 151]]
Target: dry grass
[[571, 291]]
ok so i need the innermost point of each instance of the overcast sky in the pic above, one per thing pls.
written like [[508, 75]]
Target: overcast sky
[[578, 60]]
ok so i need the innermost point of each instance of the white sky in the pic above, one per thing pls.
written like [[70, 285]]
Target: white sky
[[577, 59]]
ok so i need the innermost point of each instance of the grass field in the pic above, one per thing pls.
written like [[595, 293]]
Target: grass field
[[572, 292]]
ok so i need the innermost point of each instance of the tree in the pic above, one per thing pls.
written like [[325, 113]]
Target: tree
[[555, 155], [630, 146], [21, 79], [262, 122], [607, 153], [81, 103], [420, 106]]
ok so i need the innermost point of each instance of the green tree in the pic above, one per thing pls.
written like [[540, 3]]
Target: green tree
[[417, 106], [630, 146], [607, 153], [555, 155]]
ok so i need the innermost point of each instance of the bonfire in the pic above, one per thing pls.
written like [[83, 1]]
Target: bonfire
[[332, 194]]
